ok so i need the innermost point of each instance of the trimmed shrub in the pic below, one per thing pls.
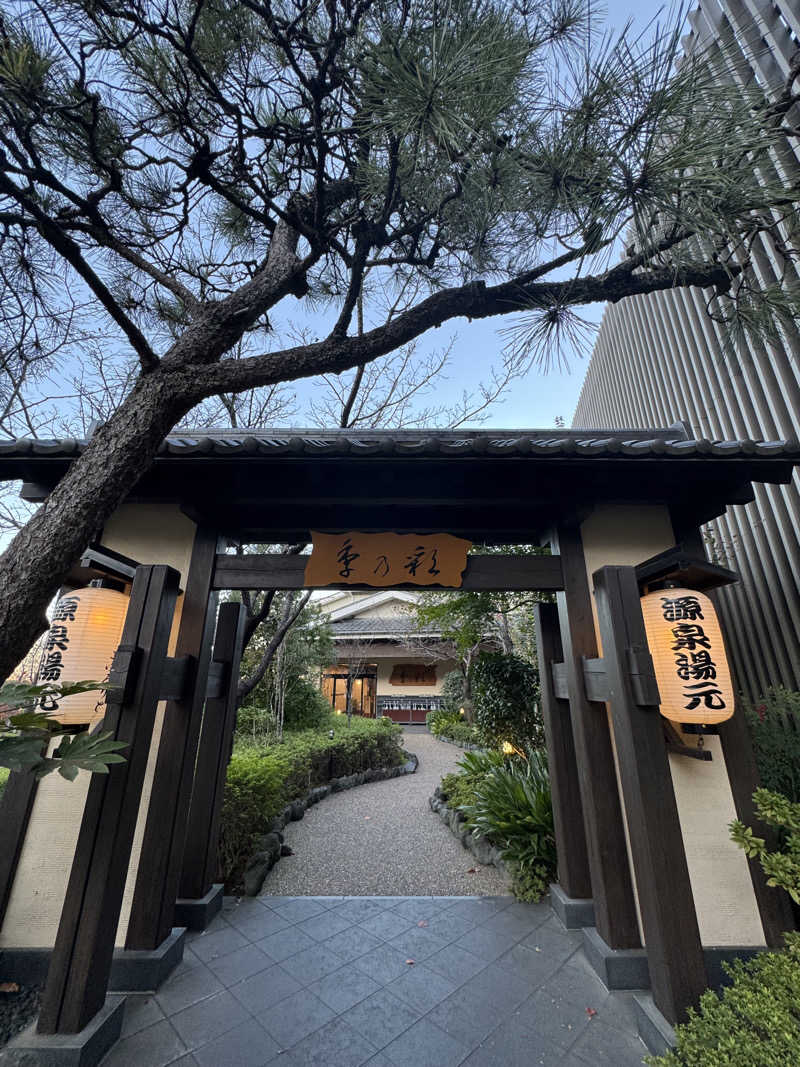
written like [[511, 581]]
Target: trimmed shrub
[[4, 773], [505, 691], [755, 1022], [453, 692], [305, 707], [774, 723], [436, 721], [255, 791], [263, 779]]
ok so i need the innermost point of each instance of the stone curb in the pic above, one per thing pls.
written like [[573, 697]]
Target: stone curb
[[467, 747], [479, 846], [271, 846]]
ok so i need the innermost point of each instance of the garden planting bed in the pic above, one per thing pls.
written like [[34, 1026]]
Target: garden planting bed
[[272, 783], [481, 848]]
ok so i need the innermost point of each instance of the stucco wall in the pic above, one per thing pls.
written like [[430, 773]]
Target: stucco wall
[[148, 533], [727, 912], [385, 666]]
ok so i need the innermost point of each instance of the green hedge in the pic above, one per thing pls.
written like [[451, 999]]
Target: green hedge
[[263, 779], [451, 725], [774, 723], [4, 773], [754, 1023]]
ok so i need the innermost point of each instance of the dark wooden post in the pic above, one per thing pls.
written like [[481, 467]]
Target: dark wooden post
[[15, 812], [774, 905], [80, 965], [161, 855], [573, 859], [666, 904], [216, 740], [612, 886]]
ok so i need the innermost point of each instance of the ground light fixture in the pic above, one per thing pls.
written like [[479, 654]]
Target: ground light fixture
[[79, 646], [689, 659]]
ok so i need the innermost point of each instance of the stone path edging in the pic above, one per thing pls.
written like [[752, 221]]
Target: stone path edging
[[481, 848], [271, 846]]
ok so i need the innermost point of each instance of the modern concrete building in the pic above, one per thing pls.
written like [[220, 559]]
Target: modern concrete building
[[661, 359]]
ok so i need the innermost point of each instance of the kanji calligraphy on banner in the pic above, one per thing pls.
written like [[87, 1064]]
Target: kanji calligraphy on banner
[[386, 559], [79, 647], [689, 659]]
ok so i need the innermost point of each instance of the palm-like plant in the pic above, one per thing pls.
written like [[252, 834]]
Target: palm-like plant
[[513, 808]]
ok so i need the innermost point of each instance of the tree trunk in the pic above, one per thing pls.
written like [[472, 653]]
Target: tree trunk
[[34, 565]]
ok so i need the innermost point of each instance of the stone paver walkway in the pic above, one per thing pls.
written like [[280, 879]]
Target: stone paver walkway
[[327, 982], [383, 838]]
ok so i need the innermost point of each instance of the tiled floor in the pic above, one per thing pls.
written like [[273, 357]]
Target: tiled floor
[[384, 981]]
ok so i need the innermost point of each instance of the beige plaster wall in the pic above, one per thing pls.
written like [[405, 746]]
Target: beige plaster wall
[[385, 666], [149, 533], [727, 912]]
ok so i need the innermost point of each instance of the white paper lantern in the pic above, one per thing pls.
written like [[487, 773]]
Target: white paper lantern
[[691, 667], [79, 647]]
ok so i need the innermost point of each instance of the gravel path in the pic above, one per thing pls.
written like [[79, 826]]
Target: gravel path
[[382, 839]]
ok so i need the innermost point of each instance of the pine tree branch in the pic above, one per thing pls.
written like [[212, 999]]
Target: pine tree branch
[[336, 354], [71, 252]]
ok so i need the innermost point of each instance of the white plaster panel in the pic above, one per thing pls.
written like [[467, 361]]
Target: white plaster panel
[[149, 533]]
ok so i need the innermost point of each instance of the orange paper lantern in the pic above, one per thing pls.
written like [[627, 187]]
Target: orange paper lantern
[[689, 659], [79, 647]]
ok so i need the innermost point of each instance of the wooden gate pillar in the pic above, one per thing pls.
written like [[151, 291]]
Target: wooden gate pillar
[[612, 886], [666, 903], [80, 965], [158, 874], [216, 741], [573, 859], [774, 905]]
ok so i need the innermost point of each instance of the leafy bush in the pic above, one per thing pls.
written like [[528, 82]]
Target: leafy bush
[[460, 788], [255, 791], [530, 884], [513, 809], [505, 691], [305, 707], [453, 692], [451, 725], [753, 1023], [4, 773], [462, 733], [782, 868], [436, 721], [263, 778], [774, 723]]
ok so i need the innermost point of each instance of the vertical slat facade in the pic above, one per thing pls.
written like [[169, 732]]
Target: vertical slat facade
[[660, 359]]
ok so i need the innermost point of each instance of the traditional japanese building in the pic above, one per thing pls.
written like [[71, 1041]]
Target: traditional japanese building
[[391, 667]]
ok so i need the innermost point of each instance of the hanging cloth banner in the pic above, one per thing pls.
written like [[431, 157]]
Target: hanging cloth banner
[[689, 659], [386, 559]]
